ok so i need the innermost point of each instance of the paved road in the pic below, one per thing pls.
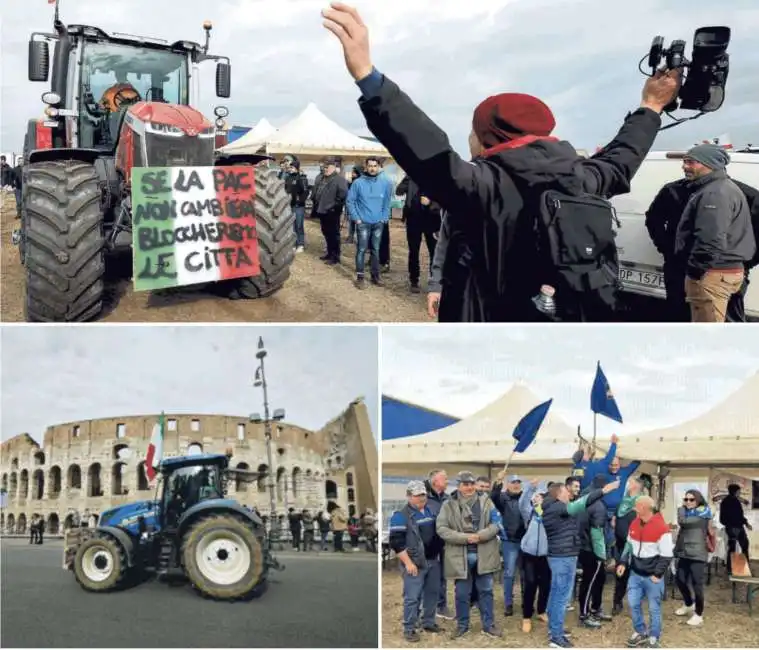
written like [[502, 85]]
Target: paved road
[[320, 600]]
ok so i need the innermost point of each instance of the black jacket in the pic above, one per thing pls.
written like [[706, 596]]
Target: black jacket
[[508, 505], [434, 496], [731, 512], [491, 245], [562, 530], [297, 188], [715, 229], [330, 194], [7, 175], [593, 517], [425, 217]]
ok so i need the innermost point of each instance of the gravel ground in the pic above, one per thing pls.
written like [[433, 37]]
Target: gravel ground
[[726, 625], [314, 292]]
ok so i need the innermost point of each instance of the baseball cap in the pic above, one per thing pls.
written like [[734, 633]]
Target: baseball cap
[[415, 488], [514, 479], [465, 477], [330, 161]]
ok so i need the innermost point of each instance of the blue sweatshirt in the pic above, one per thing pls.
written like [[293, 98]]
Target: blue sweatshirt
[[587, 470], [369, 199]]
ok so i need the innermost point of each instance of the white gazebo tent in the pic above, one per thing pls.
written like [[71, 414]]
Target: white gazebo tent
[[252, 141]]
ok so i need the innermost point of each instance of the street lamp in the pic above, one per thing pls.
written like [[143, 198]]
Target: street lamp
[[259, 381]]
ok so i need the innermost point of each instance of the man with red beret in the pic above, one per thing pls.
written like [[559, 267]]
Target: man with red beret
[[490, 271]]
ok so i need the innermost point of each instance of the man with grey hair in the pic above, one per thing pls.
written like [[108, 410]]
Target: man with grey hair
[[416, 543], [715, 240], [436, 483]]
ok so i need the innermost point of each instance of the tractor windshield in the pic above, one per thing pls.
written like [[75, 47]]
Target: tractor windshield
[[190, 485], [114, 76]]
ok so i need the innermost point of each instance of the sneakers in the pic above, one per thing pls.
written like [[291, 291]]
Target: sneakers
[[299, 249], [412, 637], [526, 625], [653, 642], [459, 632], [543, 618], [637, 640], [377, 282], [563, 642], [493, 631], [434, 628], [617, 609], [695, 620], [360, 283], [445, 614], [591, 622], [414, 288], [508, 610], [685, 610], [385, 268], [570, 608], [601, 615]]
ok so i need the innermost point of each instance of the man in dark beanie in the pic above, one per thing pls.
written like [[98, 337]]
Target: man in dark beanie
[[492, 270], [296, 183], [714, 241]]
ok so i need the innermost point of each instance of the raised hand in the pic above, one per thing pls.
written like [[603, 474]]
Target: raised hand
[[345, 23]]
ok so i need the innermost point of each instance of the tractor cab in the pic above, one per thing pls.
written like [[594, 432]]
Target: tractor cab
[[189, 480]]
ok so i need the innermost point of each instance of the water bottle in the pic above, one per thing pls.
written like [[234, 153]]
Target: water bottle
[[544, 301]]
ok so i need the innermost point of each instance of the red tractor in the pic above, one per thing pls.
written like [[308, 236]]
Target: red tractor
[[119, 102]]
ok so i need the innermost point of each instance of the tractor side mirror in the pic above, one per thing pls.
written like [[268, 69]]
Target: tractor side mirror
[[39, 60], [223, 80]]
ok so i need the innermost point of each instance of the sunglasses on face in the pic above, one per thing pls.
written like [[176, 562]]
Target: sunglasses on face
[[689, 500]]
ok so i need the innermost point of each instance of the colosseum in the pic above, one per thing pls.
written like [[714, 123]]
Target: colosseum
[[87, 467]]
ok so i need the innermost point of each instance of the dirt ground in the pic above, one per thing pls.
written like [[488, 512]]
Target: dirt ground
[[726, 625], [314, 293]]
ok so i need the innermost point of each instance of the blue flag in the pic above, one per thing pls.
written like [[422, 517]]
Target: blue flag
[[602, 399], [527, 428]]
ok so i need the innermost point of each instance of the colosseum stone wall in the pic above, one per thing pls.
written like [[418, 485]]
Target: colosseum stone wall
[[86, 467]]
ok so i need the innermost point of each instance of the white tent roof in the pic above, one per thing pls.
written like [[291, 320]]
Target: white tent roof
[[313, 133], [485, 437], [253, 140]]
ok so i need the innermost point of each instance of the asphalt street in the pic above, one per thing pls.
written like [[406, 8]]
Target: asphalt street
[[320, 600]]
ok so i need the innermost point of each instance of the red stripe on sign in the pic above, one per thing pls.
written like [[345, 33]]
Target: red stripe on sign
[[236, 191]]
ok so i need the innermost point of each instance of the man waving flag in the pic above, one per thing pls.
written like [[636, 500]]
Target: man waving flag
[[602, 400], [155, 449]]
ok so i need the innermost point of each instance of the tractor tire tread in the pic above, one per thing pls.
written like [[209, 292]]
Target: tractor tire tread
[[120, 578], [63, 242]]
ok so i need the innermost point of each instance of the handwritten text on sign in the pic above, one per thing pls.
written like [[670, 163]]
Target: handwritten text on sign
[[193, 225]]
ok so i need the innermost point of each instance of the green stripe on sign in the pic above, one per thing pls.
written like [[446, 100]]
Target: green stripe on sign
[[154, 264]]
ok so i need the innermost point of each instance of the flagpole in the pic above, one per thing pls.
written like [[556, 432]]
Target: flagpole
[[506, 466], [595, 429]]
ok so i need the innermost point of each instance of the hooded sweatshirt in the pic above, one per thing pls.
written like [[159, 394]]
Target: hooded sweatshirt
[[534, 542], [369, 199]]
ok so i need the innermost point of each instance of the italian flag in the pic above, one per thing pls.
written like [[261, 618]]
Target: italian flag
[[155, 448], [193, 225]]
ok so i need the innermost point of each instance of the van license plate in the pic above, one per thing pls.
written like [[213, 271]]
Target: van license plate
[[642, 278]]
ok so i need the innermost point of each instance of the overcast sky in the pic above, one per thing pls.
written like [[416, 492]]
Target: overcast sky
[[580, 56], [660, 376], [60, 374]]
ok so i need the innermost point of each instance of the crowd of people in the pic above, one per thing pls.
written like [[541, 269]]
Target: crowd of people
[[306, 527], [523, 190], [542, 536]]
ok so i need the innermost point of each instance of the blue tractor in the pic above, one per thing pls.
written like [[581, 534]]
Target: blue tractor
[[191, 526]]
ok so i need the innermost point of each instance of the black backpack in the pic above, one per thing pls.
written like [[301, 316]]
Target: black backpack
[[577, 253]]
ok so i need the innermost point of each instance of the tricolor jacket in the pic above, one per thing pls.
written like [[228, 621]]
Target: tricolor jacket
[[649, 549]]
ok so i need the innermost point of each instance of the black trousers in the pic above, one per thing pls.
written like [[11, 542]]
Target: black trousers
[[330, 223], [337, 535], [735, 537], [537, 580], [415, 231], [592, 583], [384, 251], [620, 585], [295, 532], [693, 572]]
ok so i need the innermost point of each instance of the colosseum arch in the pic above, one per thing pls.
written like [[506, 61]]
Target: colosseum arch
[[38, 484], [349, 479], [2, 522], [39, 458], [74, 477], [351, 495], [14, 463], [23, 488], [94, 485], [297, 482], [351, 510], [142, 477], [240, 484], [121, 452], [21, 524], [194, 448], [117, 479], [4, 486], [11, 525], [68, 522], [330, 488], [13, 486], [53, 524], [263, 470], [281, 483], [54, 479]]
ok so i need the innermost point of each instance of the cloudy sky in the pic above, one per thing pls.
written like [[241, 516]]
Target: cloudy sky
[[580, 56], [659, 376], [61, 374]]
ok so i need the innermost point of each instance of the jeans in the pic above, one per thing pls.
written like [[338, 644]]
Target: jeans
[[421, 589], [369, 236], [620, 586], [18, 202], [298, 225], [463, 591], [337, 537], [442, 601], [638, 588], [512, 557], [563, 571]]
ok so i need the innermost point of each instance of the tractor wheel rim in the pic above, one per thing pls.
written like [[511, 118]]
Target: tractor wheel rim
[[223, 558], [97, 563]]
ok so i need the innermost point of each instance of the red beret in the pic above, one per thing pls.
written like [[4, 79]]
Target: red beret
[[511, 115]]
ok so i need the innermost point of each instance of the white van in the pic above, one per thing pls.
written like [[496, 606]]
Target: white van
[[640, 263]]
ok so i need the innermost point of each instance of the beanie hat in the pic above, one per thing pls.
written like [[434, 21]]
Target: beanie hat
[[511, 115], [711, 155]]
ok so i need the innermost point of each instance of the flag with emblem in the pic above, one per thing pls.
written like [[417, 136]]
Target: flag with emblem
[[155, 449], [527, 428], [602, 400]]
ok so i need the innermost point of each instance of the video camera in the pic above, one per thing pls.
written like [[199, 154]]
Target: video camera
[[704, 87]]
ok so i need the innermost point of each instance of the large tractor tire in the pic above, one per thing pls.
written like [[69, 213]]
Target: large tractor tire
[[276, 238], [101, 565], [224, 559], [63, 242]]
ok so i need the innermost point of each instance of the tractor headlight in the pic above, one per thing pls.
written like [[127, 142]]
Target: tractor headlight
[[163, 129], [51, 111]]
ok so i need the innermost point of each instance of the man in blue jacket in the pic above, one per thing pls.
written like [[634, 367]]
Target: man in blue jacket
[[505, 496], [416, 543], [585, 469], [368, 205]]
